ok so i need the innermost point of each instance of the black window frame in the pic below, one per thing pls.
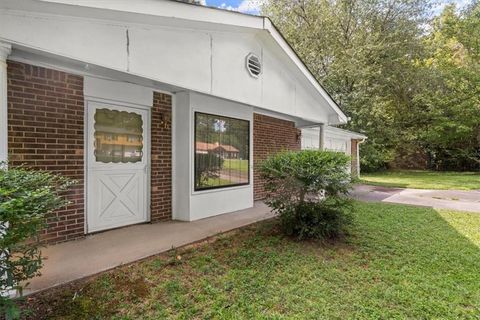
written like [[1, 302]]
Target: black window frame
[[195, 188]]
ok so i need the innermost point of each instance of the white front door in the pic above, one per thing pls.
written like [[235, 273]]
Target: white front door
[[118, 160]]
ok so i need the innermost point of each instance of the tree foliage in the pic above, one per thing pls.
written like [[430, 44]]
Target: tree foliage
[[407, 79], [450, 129]]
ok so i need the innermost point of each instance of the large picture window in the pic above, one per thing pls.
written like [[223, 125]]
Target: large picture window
[[222, 151]]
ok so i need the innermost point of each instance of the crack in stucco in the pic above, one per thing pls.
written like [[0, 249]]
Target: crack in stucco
[[128, 50], [211, 63]]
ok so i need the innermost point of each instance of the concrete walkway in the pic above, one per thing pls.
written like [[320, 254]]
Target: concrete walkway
[[438, 199], [74, 260]]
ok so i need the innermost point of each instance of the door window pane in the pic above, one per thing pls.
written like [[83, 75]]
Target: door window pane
[[118, 136], [222, 151]]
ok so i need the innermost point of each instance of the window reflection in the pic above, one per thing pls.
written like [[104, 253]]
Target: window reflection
[[118, 136], [221, 151]]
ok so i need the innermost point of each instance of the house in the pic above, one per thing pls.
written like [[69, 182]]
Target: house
[[223, 150], [226, 151], [118, 94], [335, 139]]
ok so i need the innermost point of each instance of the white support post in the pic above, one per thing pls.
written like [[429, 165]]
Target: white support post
[[321, 137], [5, 50]]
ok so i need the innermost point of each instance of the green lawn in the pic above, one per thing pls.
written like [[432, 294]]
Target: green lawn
[[214, 182], [424, 179], [398, 262], [236, 164]]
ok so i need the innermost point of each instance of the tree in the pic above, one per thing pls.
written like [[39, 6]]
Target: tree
[[408, 81], [361, 52], [450, 132]]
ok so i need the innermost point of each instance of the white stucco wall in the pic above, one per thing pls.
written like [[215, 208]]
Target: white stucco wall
[[206, 59], [203, 64], [334, 140]]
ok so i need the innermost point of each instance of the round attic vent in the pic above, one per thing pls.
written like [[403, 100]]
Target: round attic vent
[[254, 66]]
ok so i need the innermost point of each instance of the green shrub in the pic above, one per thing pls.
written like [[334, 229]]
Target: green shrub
[[309, 191], [26, 198]]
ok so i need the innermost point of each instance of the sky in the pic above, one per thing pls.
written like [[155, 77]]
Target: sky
[[245, 6], [253, 6]]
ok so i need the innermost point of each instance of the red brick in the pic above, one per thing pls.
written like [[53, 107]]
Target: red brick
[[354, 158], [35, 138], [161, 158], [270, 135]]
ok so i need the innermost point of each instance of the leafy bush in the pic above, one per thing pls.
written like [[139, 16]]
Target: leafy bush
[[309, 191], [26, 198]]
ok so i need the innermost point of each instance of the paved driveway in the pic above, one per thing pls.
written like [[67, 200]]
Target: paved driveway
[[439, 199]]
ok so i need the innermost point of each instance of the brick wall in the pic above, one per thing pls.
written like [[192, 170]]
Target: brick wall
[[270, 135], [354, 158], [45, 131], [161, 184]]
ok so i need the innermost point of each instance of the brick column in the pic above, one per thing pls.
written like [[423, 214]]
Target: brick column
[[354, 157], [161, 149], [5, 50]]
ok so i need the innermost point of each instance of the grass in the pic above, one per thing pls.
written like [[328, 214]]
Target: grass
[[418, 179], [213, 182], [398, 262], [236, 164]]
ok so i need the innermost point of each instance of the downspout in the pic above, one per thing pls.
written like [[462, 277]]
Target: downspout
[[5, 50], [358, 156]]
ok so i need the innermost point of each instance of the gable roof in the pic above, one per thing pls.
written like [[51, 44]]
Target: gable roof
[[177, 13], [205, 146], [285, 45]]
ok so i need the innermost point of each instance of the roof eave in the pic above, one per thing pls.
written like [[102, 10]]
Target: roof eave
[[283, 43], [185, 11]]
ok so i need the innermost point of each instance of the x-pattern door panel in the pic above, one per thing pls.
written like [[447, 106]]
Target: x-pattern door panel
[[117, 166], [119, 198]]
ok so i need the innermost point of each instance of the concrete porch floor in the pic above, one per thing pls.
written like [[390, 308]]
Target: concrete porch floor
[[74, 260]]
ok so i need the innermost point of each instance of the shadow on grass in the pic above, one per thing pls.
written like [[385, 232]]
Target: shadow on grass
[[385, 184], [398, 262]]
